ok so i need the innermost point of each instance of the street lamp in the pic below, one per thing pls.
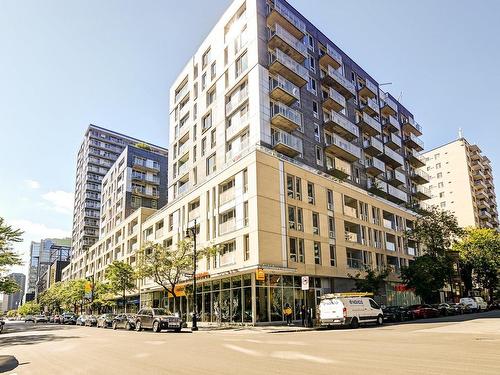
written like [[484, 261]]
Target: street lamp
[[191, 232]]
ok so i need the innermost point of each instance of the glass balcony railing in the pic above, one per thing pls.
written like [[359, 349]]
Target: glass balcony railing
[[289, 39], [236, 100], [285, 85], [236, 124], [289, 16], [280, 137], [281, 57], [287, 112]]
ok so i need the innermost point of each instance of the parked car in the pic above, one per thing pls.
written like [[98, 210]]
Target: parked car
[[105, 320], [396, 313], [495, 305], [29, 318], [91, 321], [349, 311], [80, 321], [476, 304], [423, 311], [126, 321], [157, 319], [57, 319], [2, 323], [446, 309], [68, 318], [40, 319]]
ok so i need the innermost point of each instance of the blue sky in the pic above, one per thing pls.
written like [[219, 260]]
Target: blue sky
[[65, 64]]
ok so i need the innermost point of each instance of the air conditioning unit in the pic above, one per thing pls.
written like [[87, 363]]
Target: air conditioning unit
[[315, 230], [291, 224]]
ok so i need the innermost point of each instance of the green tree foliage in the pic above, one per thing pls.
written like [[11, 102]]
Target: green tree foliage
[[8, 257], [74, 293], [167, 266], [121, 278], [11, 313], [371, 282], [54, 297], [29, 308], [479, 251], [436, 231], [143, 145]]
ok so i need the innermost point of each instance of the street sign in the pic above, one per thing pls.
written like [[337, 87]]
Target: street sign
[[305, 282], [260, 275]]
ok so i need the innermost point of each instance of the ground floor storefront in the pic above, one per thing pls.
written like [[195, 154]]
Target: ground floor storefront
[[244, 299]]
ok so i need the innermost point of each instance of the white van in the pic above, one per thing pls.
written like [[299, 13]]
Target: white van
[[474, 303], [339, 309]]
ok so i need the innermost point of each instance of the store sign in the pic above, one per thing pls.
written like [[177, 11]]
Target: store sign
[[260, 275], [305, 282], [88, 289]]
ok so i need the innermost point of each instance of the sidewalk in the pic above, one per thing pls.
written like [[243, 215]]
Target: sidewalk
[[202, 326]]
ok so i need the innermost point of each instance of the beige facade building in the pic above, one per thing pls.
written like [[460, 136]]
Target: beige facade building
[[291, 159], [461, 181]]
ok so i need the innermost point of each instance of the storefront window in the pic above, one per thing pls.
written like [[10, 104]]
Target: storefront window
[[207, 286], [287, 280], [216, 285], [297, 282], [226, 283], [276, 304], [275, 280], [236, 281], [247, 307], [236, 305], [247, 280], [207, 307], [261, 302], [216, 308], [225, 305]]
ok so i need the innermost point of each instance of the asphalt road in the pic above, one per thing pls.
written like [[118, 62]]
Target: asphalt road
[[468, 344]]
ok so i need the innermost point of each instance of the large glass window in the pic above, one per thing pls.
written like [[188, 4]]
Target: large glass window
[[276, 304], [261, 304]]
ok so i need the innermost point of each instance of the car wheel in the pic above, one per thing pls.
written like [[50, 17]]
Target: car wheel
[[156, 327], [114, 325], [138, 326], [178, 329], [380, 320], [128, 327], [354, 323]]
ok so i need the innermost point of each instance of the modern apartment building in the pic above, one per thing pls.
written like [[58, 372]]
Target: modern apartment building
[[49, 250], [461, 181], [33, 271], [98, 151], [289, 157], [60, 253]]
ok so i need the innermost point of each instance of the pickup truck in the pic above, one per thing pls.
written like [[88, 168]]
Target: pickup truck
[[157, 319]]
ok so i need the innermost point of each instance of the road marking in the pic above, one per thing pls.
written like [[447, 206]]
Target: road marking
[[300, 356], [155, 342], [242, 350]]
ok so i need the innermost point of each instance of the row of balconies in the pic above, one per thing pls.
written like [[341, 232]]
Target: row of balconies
[[146, 177], [143, 191]]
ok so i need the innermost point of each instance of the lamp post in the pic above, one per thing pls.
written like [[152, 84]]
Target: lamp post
[[191, 232]]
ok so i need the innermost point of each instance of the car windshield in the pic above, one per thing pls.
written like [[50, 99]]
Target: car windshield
[[161, 312]]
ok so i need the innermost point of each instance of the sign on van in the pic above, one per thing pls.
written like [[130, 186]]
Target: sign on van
[[305, 282]]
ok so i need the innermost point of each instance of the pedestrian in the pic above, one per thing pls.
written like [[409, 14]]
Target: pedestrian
[[303, 315], [287, 311]]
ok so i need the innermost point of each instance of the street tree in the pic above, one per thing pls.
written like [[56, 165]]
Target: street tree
[[103, 297], [479, 251], [8, 257], [74, 294], [436, 230], [372, 280], [121, 278], [169, 266], [54, 297], [29, 308]]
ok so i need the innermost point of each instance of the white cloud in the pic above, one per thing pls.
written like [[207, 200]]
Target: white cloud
[[60, 201], [32, 184]]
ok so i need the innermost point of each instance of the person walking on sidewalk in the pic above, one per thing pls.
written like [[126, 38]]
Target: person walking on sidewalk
[[287, 311], [303, 315]]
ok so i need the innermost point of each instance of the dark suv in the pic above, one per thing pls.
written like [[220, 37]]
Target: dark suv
[[157, 319]]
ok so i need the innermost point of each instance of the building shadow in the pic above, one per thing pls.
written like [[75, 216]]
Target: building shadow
[[8, 363], [31, 339]]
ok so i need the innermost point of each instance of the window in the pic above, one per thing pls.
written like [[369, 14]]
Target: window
[[300, 225], [195, 111], [207, 121], [315, 109], [443, 204], [309, 41], [195, 71], [226, 56], [195, 128], [441, 195], [293, 186], [440, 185], [331, 227], [310, 192], [241, 65], [298, 188], [315, 222], [194, 152], [319, 155], [203, 81], [213, 138], [438, 165], [203, 146], [301, 250], [240, 40], [213, 71], [312, 63], [329, 199], [312, 85], [195, 91], [374, 304], [211, 94], [317, 136], [246, 244], [291, 217], [211, 166], [436, 156], [439, 175], [205, 58], [293, 249], [317, 252], [332, 256]]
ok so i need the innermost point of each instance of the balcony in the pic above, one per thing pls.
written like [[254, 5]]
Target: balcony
[[388, 107], [481, 194], [340, 169], [228, 226], [333, 101], [479, 175], [421, 192], [335, 79], [237, 99], [373, 146], [410, 126], [484, 215], [330, 56], [391, 124], [194, 214], [475, 166], [480, 185], [337, 123], [182, 151], [182, 189], [483, 204], [395, 195], [390, 246], [283, 90], [391, 158], [414, 142], [282, 64], [182, 92], [374, 167], [351, 237], [369, 124], [378, 187], [182, 169], [393, 141], [236, 125], [285, 118], [152, 179], [419, 176], [146, 164], [226, 196], [235, 152], [368, 90], [395, 178], [415, 159], [370, 107], [149, 193], [282, 15], [283, 40], [286, 144], [342, 148]]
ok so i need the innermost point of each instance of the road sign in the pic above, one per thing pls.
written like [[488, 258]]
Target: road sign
[[305, 282]]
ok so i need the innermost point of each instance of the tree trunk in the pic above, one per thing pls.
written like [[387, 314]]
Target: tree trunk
[[124, 302]]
